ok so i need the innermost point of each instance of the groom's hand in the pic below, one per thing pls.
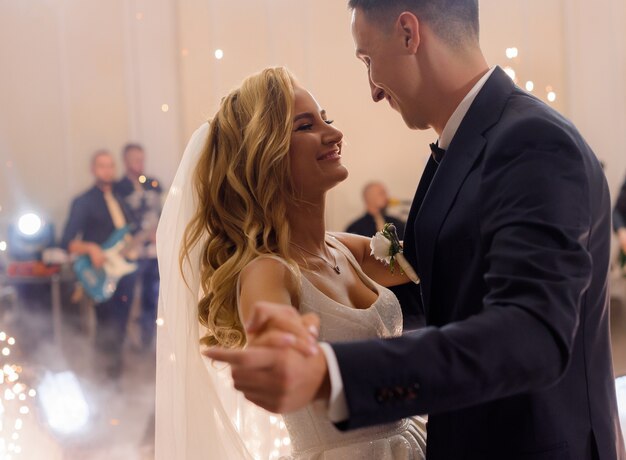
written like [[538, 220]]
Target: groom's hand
[[280, 380]]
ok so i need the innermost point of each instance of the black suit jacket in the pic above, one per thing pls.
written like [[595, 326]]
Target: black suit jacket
[[510, 236]]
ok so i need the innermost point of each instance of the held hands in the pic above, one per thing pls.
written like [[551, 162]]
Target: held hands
[[282, 368]]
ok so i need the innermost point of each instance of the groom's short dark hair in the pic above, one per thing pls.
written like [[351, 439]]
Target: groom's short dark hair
[[455, 21]]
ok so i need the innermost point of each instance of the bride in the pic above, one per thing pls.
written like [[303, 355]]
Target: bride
[[243, 223]]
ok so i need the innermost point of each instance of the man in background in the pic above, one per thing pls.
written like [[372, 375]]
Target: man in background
[[94, 216], [142, 195], [376, 201]]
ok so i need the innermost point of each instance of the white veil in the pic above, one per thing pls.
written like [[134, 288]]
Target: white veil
[[199, 415]]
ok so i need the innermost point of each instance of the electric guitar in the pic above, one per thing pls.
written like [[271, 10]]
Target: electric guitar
[[100, 283]]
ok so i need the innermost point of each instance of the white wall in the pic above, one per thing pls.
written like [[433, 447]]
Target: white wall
[[78, 75], [83, 74]]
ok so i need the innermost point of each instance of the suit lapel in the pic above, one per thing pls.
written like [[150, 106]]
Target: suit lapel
[[422, 189], [465, 149], [439, 199]]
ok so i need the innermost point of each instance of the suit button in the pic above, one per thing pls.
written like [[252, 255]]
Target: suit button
[[412, 391], [399, 392], [383, 395]]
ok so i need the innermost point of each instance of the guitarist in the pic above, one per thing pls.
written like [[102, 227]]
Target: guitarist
[[142, 195], [94, 216]]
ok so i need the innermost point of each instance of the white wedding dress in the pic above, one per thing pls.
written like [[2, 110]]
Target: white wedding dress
[[313, 436]]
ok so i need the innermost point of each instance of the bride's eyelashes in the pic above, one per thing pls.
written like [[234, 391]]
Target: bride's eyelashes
[[306, 127], [309, 126]]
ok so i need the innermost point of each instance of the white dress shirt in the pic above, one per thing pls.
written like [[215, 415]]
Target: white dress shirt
[[337, 404]]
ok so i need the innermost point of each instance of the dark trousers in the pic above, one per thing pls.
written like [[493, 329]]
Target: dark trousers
[[112, 318], [149, 276]]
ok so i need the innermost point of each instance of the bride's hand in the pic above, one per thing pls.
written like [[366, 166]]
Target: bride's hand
[[280, 326]]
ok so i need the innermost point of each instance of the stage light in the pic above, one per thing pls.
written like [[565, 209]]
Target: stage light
[[28, 237], [63, 402], [29, 224]]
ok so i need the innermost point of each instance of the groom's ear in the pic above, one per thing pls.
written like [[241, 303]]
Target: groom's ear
[[408, 26]]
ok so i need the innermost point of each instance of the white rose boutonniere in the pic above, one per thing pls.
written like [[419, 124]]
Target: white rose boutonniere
[[386, 247], [381, 248]]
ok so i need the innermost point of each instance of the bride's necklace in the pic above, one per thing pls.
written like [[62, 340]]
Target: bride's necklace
[[334, 265]]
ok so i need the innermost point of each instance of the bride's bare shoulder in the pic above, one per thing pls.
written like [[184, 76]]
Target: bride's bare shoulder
[[268, 267], [269, 279]]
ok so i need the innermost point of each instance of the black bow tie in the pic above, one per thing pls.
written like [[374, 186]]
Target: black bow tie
[[438, 153]]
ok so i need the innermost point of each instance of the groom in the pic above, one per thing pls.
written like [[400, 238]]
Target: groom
[[509, 232]]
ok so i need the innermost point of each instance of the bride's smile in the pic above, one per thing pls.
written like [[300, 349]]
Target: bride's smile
[[315, 149]]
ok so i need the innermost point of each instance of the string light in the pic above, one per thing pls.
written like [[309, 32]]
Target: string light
[[512, 53], [142, 179], [219, 54], [184, 52], [160, 322], [139, 16], [165, 108], [3, 246], [15, 405]]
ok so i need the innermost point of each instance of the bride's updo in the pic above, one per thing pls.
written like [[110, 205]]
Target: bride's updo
[[242, 184]]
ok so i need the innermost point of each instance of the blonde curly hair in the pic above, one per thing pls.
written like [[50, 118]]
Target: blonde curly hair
[[243, 186]]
